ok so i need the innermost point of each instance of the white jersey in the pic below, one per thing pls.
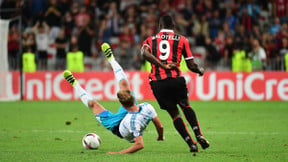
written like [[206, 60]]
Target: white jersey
[[134, 123]]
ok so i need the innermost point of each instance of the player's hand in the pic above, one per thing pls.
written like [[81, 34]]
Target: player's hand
[[201, 71], [171, 66], [113, 153], [162, 138]]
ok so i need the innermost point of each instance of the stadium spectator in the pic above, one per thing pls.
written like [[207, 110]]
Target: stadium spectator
[[150, 21], [187, 13], [82, 19], [29, 42], [53, 19], [68, 23], [256, 32], [228, 51], [275, 28], [128, 34], [60, 45], [212, 55], [280, 9], [269, 44], [220, 41], [164, 7], [226, 30], [64, 6], [201, 30], [104, 30], [231, 4], [113, 19], [215, 24], [125, 3], [85, 34], [41, 31], [182, 23], [37, 8], [199, 7], [258, 56], [283, 33], [230, 19], [13, 47], [282, 53], [209, 9], [284, 49], [246, 20], [74, 8], [125, 54], [252, 9], [241, 34]]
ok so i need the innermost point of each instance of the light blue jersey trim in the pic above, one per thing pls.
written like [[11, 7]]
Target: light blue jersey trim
[[140, 109], [132, 122]]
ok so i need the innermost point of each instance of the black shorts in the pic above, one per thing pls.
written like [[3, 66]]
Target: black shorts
[[43, 55], [115, 131], [169, 92]]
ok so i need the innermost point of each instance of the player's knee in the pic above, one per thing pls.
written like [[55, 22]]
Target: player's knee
[[174, 114], [93, 104], [124, 84], [184, 103]]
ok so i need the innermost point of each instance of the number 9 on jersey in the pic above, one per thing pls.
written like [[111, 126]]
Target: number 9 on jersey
[[164, 48]]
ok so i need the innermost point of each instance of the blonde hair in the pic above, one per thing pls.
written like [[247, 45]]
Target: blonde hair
[[126, 98]]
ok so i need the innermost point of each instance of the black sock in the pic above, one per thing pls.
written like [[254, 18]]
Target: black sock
[[181, 128], [192, 119]]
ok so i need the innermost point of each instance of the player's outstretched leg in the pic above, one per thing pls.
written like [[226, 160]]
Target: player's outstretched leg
[[181, 128], [118, 71], [84, 96], [192, 119]]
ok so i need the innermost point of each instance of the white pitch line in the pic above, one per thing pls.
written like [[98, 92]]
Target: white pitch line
[[165, 132]]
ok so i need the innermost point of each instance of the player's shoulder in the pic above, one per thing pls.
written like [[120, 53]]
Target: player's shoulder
[[182, 37], [146, 105], [149, 38]]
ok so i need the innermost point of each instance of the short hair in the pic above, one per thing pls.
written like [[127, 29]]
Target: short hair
[[166, 22], [126, 98]]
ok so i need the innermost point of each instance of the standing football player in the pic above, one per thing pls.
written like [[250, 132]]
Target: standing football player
[[131, 119], [168, 86]]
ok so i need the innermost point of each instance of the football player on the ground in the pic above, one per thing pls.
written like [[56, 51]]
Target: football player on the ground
[[131, 119]]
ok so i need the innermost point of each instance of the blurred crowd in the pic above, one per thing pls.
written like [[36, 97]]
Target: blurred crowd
[[215, 28]]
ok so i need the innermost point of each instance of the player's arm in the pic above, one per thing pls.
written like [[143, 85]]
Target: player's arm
[[159, 127], [153, 60], [138, 145], [194, 67]]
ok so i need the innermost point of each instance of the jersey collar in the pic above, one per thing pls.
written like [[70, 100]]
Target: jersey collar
[[166, 30], [140, 109]]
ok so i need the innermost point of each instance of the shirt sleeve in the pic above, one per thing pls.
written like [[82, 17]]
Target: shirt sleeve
[[186, 50], [153, 112], [262, 54], [137, 133], [145, 43]]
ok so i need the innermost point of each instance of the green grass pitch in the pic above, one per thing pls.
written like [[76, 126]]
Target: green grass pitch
[[237, 131]]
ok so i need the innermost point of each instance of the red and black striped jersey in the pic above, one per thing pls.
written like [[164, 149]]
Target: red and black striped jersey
[[167, 47], [281, 7]]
